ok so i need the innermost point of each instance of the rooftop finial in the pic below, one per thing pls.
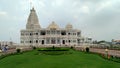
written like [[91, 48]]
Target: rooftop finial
[[31, 4]]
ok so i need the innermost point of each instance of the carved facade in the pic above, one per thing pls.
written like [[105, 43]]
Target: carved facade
[[34, 35]]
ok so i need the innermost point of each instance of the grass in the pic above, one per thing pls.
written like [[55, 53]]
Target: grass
[[75, 60]]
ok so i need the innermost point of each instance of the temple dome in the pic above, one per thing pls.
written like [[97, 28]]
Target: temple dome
[[69, 26], [53, 25]]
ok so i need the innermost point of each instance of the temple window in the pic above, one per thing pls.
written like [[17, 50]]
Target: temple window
[[63, 32], [78, 33], [36, 33], [68, 33], [43, 33], [30, 34], [36, 41], [30, 41]]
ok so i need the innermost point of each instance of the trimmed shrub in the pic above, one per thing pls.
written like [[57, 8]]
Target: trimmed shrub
[[54, 50], [71, 47], [87, 49], [53, 47], [34, 47], [18, 50]]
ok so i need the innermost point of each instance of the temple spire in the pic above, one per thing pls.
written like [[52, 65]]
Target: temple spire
[[32, 22]]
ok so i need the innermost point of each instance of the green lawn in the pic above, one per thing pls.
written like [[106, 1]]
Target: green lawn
[[75, 60]]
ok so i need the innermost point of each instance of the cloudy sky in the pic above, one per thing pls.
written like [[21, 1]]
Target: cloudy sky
[[98, 19]]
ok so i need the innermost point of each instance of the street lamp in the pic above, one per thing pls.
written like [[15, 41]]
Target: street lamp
[[106, 51], [0, 52]]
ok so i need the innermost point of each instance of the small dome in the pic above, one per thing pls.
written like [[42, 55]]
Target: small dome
[[53, 25], [69, 26]]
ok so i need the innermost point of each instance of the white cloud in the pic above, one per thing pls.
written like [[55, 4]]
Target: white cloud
[[42, 4], [85, 9], [106, 4], [95, 18], [3, 13], [23, 5], [57, 3]]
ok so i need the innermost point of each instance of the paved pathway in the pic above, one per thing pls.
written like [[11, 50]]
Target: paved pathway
[[14, 51], [102, 51], [110, 52], [96, 50]]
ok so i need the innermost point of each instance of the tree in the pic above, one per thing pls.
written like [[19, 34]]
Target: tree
[[102, 41]]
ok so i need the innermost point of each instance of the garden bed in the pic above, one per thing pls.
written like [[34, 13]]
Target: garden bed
[[54, 51]]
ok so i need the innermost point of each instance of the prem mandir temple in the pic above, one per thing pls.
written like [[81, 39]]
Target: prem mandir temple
[[35, 35]]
